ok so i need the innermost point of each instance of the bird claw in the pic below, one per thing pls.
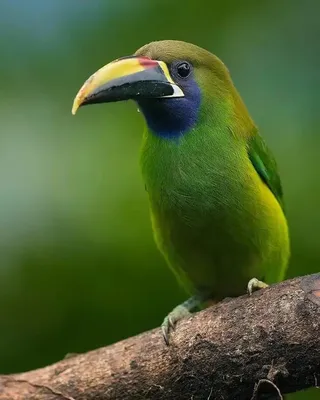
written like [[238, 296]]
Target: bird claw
[[171, 320], [165, 327], [254, 284], [171, 323]]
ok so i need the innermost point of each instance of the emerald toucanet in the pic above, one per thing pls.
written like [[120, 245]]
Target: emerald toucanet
[[214, 190]]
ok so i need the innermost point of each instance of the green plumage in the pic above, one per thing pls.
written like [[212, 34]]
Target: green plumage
[[265, 164], [215, 193]]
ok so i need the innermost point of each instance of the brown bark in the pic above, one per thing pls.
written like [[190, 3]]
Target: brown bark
[[256, 347]]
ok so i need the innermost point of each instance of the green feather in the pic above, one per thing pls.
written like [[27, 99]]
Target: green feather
[[265, 165]]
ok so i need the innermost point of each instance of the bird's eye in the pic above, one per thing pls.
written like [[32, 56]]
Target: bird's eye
[[184, 69]]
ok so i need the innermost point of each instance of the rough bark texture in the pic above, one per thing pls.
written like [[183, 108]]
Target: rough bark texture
[[256, 347]]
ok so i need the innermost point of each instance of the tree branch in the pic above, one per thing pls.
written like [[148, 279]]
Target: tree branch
[[257, 347]]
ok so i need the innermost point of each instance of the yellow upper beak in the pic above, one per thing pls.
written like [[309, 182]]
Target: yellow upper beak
[[127, 78]]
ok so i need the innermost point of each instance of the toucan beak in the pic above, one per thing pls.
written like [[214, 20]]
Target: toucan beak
[[128, 78]]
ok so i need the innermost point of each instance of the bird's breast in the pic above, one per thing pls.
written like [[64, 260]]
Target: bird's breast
[[213, 218]]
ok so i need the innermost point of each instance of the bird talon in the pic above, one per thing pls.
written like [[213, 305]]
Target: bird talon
[[167, 325], [254, 284], [171, 323], [165, 332]]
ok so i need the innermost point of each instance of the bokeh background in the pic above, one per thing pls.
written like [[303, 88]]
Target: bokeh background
[[78, 265]]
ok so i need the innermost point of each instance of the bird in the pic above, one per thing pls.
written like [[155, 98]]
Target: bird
[[214, 190]]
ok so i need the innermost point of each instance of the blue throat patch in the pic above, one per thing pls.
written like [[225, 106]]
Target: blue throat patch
[[171, 118]]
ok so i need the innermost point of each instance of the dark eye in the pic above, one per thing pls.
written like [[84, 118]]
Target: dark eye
[[184, 69]]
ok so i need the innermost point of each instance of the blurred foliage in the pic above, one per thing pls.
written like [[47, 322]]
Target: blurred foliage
[[79, 268]]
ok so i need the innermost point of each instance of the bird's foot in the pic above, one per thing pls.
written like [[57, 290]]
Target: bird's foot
[[171, 319], [181, 311], [254, 284]]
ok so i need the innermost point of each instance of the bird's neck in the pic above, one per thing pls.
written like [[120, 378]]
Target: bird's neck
[[190, 166]]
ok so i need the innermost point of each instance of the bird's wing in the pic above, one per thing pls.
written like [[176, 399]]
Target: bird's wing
[[266, 166]]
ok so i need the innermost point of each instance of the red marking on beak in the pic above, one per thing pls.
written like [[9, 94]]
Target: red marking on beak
[[146, 62]]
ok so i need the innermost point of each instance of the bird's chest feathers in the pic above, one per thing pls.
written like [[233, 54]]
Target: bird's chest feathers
[[206, 200], [192, 177]]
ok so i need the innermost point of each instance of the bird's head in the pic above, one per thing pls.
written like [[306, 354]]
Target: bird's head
[[175, 84]]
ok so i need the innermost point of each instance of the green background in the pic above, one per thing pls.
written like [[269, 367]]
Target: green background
[[78, 265]]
